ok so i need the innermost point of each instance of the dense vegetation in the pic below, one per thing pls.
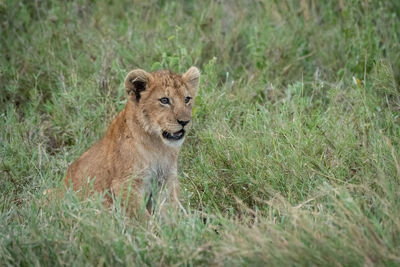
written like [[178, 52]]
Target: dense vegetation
[[293, 157]]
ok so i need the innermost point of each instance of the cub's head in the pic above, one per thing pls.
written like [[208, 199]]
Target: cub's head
[[163, 101]]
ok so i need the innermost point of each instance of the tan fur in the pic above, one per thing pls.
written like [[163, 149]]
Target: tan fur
[[133, 155]]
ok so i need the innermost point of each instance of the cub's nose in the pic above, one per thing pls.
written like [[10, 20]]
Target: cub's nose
[[183, 123]]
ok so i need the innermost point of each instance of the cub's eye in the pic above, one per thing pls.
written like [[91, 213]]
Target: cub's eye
[[187, 99], [164, 100]]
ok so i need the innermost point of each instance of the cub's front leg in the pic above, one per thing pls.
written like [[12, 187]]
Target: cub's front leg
[[169, 196], [132, 194]]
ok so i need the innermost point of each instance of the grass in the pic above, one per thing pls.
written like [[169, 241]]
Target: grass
[[293, 158]]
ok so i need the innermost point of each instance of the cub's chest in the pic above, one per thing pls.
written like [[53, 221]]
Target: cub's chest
[[158, 173]]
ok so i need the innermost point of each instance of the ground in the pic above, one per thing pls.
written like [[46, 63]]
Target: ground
[[294, 153]]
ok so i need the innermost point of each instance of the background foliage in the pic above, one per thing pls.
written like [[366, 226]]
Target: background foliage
[[294, 155]]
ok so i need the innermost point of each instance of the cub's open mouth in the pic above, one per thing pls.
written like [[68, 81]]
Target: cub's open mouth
[[173, 136]]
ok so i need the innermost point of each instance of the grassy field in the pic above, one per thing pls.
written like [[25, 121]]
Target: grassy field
[[294, 157]]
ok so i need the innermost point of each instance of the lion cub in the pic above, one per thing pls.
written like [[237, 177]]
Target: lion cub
[[140, 150]]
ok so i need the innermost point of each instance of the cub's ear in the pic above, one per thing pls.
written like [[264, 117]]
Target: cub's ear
[[192, 78], [136, 82]]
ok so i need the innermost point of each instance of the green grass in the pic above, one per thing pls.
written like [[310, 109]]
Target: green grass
[[294, 157]]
